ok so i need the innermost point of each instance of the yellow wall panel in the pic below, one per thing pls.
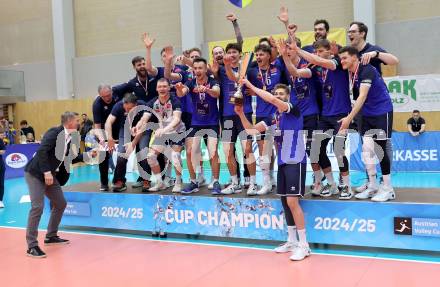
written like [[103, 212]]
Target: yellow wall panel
[[46, 114]]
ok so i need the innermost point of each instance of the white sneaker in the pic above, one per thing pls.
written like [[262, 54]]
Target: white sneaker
[[285, 247], [157, 187], [177, 187], [211, 184], [346, 192], [231, 189], [316, 191], [201, 180], [247, 181], [369, 192], [168, 181], [252, 190], [273, 181], [329, 190], [385, 193], [300, 252], [265, 189], [362, 188], [2, 204]]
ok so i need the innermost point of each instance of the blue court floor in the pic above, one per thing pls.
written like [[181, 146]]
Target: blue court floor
[[17, 207]]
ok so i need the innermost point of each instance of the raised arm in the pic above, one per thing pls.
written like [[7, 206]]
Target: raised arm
[[387, 58], [248, 126], [315, 59], [266, 96], [152, 70], [168, 73], [231, 17], [293, 71], [228, 68]]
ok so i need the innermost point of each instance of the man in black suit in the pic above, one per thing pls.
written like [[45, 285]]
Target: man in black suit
[[45, 173]]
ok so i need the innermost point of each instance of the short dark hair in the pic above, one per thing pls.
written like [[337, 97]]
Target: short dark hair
[[264, 48], [416, 111], [234, 46], [282, 86], [23, 122], [137, 59], [200, 59], [195, 49], [352, 51], [322, 43], [129, 98], [362, 28], [264, 39], [322, 21]]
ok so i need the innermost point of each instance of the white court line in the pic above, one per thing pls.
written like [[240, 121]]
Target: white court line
[[230, 246]]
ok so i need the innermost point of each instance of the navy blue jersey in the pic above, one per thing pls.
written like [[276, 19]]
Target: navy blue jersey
[[287, 127], [266, 79], [303, 92], [144, 91], [101, 111], [121, 115], [205, 109], [335, 91], [378, 100], [309, 48], [375, 62], [228, 89]]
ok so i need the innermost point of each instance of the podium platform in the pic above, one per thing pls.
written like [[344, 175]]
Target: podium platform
[[412, 221]]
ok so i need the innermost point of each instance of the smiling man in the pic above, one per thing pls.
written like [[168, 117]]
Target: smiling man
[[374, 101]]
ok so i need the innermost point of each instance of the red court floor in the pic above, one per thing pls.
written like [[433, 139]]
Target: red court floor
[[93, 260]]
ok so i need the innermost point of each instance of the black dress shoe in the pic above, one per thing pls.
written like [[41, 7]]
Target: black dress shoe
[[54, 240], [36, 252]]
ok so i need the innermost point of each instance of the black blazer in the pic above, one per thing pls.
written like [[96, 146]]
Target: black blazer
[[50, 153]]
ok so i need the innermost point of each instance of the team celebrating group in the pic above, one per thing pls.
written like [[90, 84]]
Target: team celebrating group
[[305, 97]]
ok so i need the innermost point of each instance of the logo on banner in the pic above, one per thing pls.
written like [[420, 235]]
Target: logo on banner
[[402, 91], [402, 225], [16, 160]]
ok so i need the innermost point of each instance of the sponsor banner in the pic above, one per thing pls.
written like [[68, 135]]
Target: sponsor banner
[[328, 222], [409, 153], [420, 92], [16, 157]]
